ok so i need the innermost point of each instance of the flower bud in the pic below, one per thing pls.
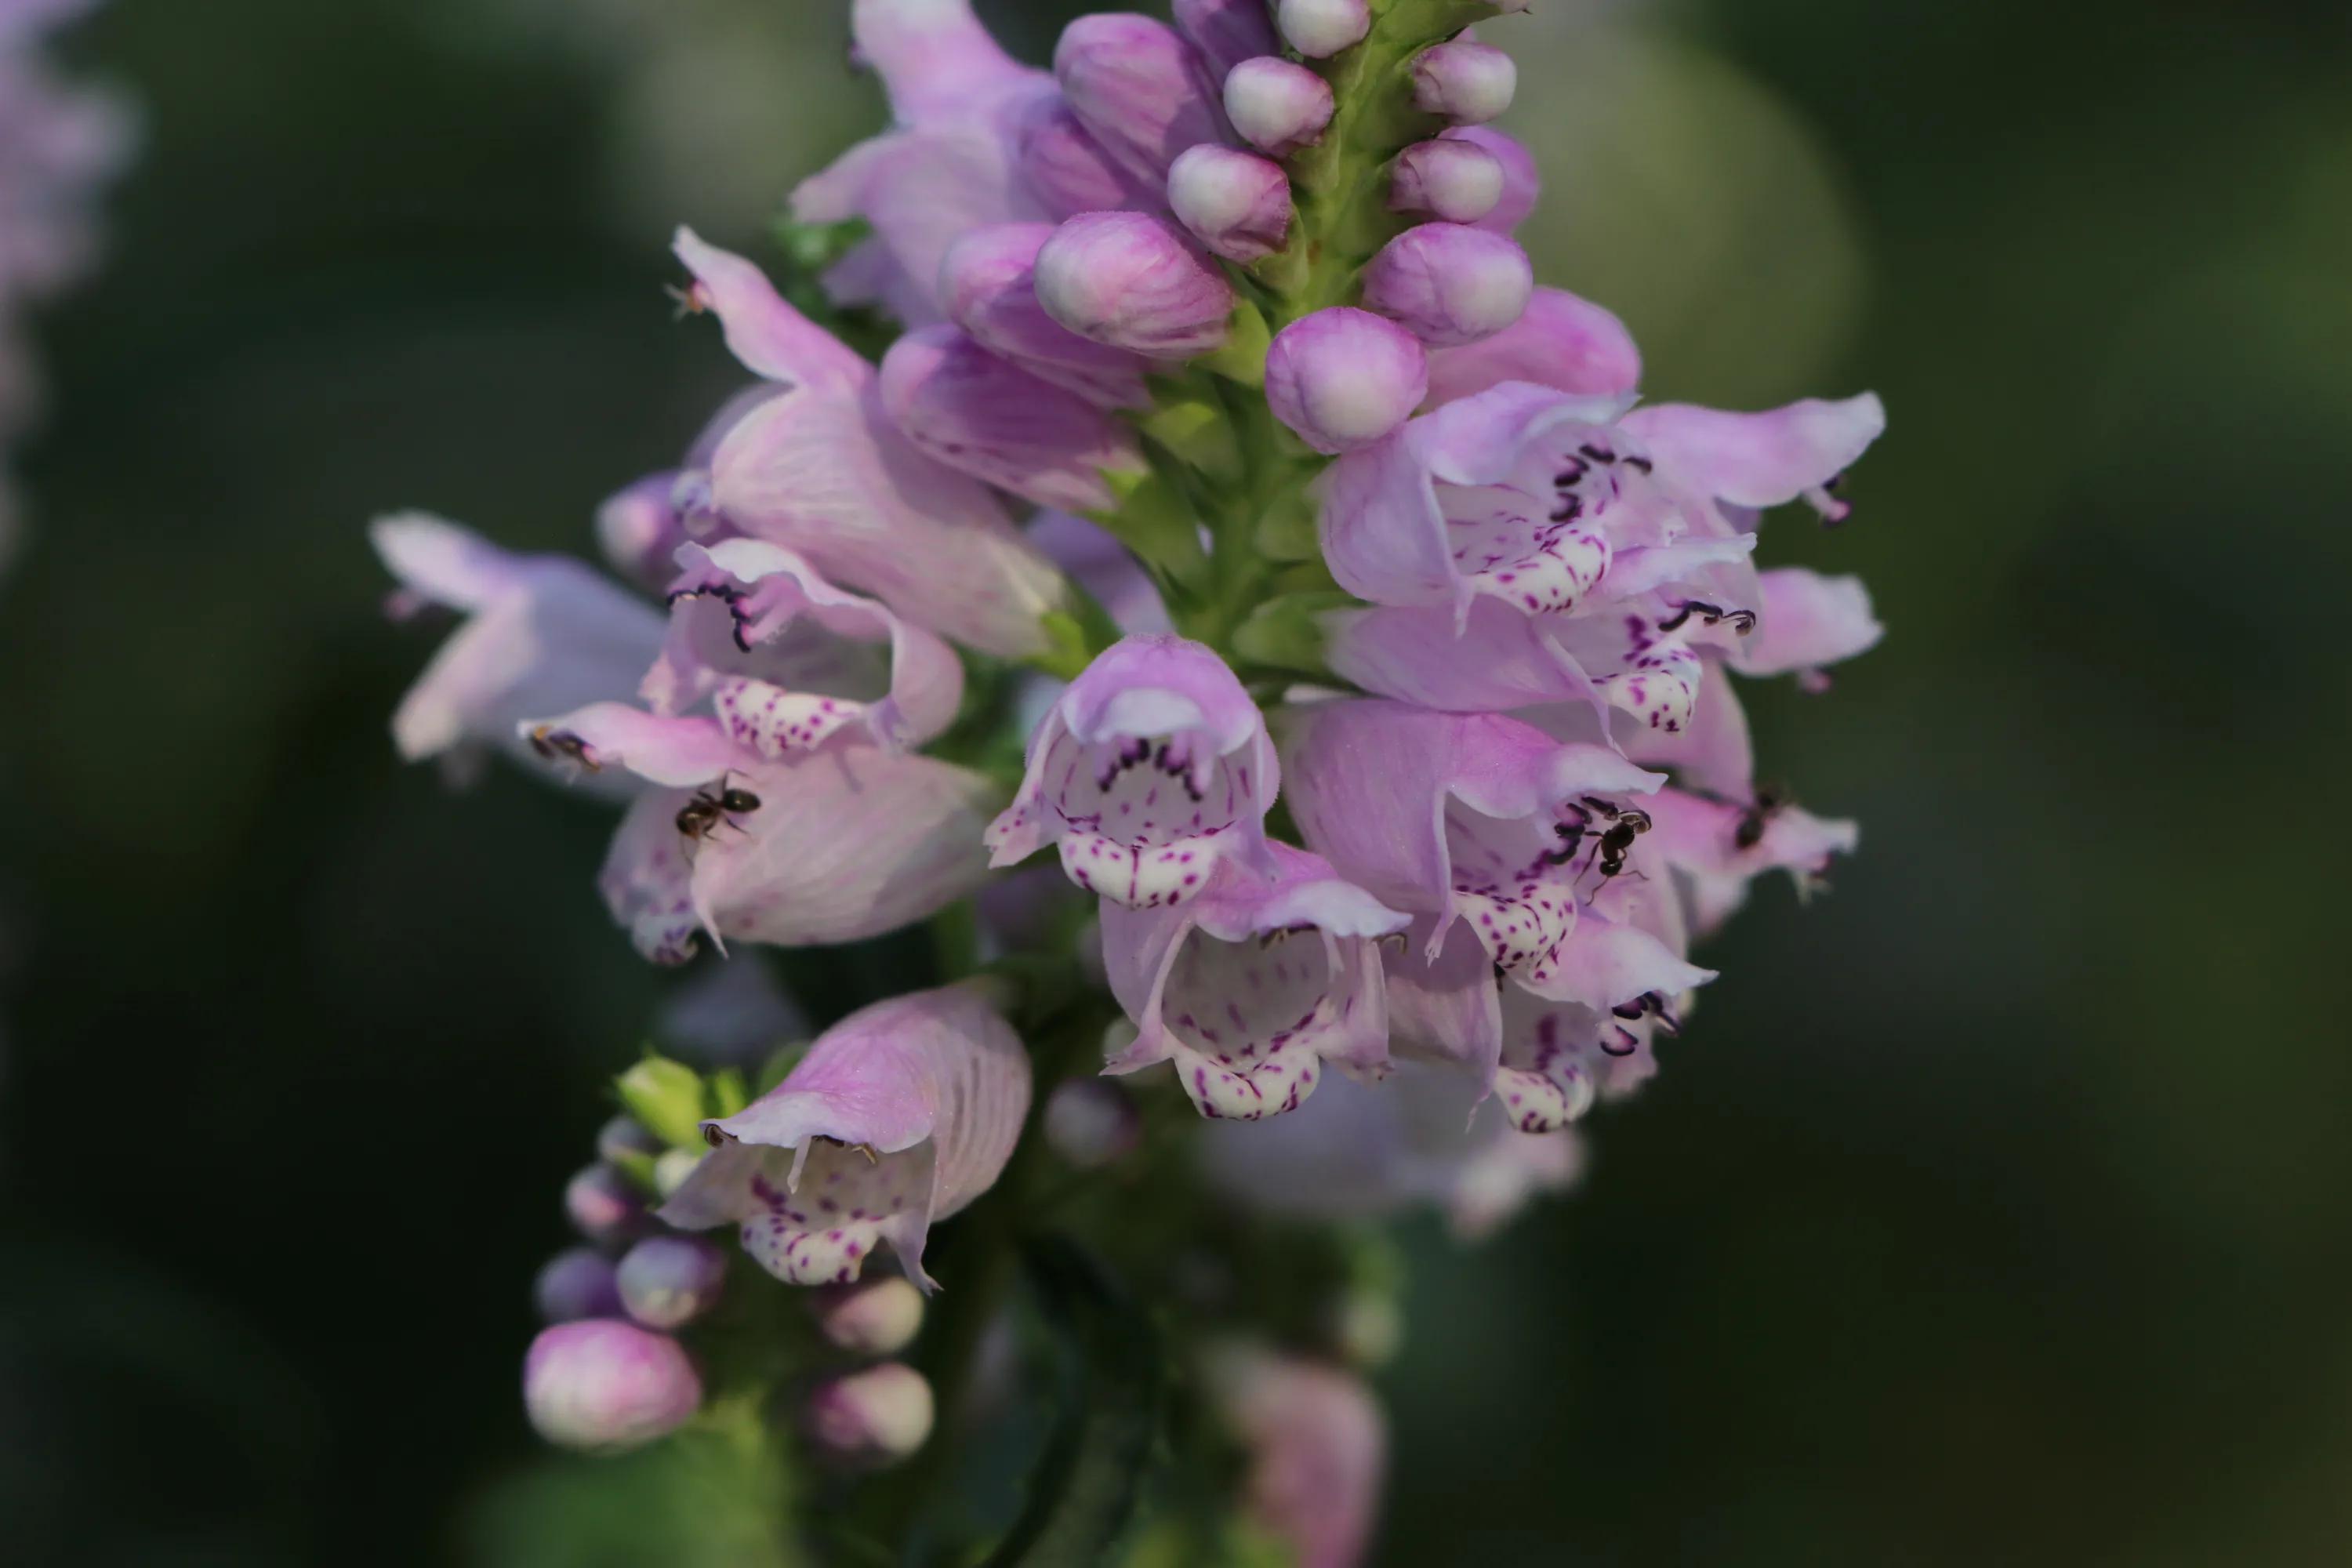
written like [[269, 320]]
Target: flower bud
[[640, 531], [576, 1283], [1450, 284], [607, 1385], [1457, 181], [1136, 86], [1277, 105], [601, 1204], [877, 1416], [1521, 184], [1344, 378], [1467, 83], [880, 1318], [964, 407], [988, 287], [1068, 170], [1091, 1122], [667, 1281], [625, 1136], [1319, 28], [1236, 203], [1130, 280], [1226, 32]]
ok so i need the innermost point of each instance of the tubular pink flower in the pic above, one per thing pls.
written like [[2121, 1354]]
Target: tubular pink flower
[[1277, 105], [1807, 621], [1760, 460], [1130, 280], [1450, 284], [1521, 182], [988, 282], [1251, 987], [820, 468], [1139, 89], [1467, 83], [1236, 203], [1457, 181], [1151, 768], [604, 1385], [542, 633], [962, 405], [1319, 28], [1226, 32], [1318, 1448], [1067, 172], [899, 1116], [1342, 379], [1560, 341]]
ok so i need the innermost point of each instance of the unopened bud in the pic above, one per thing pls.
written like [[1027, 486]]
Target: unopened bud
[[988, 285], [667, 1281], [576, 1283], [1068, 170], [672, 1168], [879, 1317], [1138, 88], [607, 1385], [601, 1204], [1130, 281], [1447, 179], [1450, 284], [874, 1417], [967, 408], [1344, 378], [1467, 83], [1320, 28], [1521, 183], [1226, 32], [1277, 105], [1236, 203]]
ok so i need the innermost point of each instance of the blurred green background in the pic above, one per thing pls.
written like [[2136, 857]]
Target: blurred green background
[[1997, 1208]]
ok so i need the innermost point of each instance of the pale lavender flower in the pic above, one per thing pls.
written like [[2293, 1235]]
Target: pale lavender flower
[[988, 285], [820, 468], [1149, 770], [1447, 178], [1318, 1450], [1342, 379], [1139, 89], [1319, 28], [899, 1116], [1277, 105], [1467, 83], [1236, 203], [1251, 987], [987, 416], [1226, 32], [1806, 621], [875, 1417], [1130, 281], [604, 1385], [1450, 284]]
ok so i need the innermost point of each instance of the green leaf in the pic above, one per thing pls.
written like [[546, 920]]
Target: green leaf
[[1286, 633], [1083, 1494], [666, 1098]]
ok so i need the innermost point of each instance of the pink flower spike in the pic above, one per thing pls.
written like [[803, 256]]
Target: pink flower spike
[[1467, 83], [1457, 181], [1236, 203], [965, 408], [988, 282], [1152, 767], [1130, 280], [1249, 988], [604, 1385], [1522, 185], [1450, 284], [1226, 32], [1277, 105], [898, 1117], [1138, 88], [1319, 28], [1342, 379]]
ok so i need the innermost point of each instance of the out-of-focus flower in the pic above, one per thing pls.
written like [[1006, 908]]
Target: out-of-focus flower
[[667, 1281], [1317, 1448], [873, 1317], [603, 1384], [897, 1117], [877, 1416], [576, 1283]]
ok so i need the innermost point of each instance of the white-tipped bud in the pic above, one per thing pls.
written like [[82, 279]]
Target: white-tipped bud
[[875, 1318], [667, 1281], [1344, 378], [1319, 28], [1236, 203], [1467, 83], [1450, 284], [1131, 280], [874, 1417], [605, 1384], [1277, 105], [1460, 182]]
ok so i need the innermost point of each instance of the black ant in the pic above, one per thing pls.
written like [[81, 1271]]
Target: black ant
[[552, 744], [1742, 621], [711, 809], [1770, 799], [1610, 844]]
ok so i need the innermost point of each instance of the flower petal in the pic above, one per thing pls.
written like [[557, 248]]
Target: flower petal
[[1807, 621], [1757, 459]]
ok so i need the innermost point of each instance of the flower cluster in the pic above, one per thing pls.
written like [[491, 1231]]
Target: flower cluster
[[1379, 641], [59, 145]]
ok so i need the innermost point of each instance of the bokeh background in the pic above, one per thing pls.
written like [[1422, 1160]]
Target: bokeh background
[[1997, 1208]]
